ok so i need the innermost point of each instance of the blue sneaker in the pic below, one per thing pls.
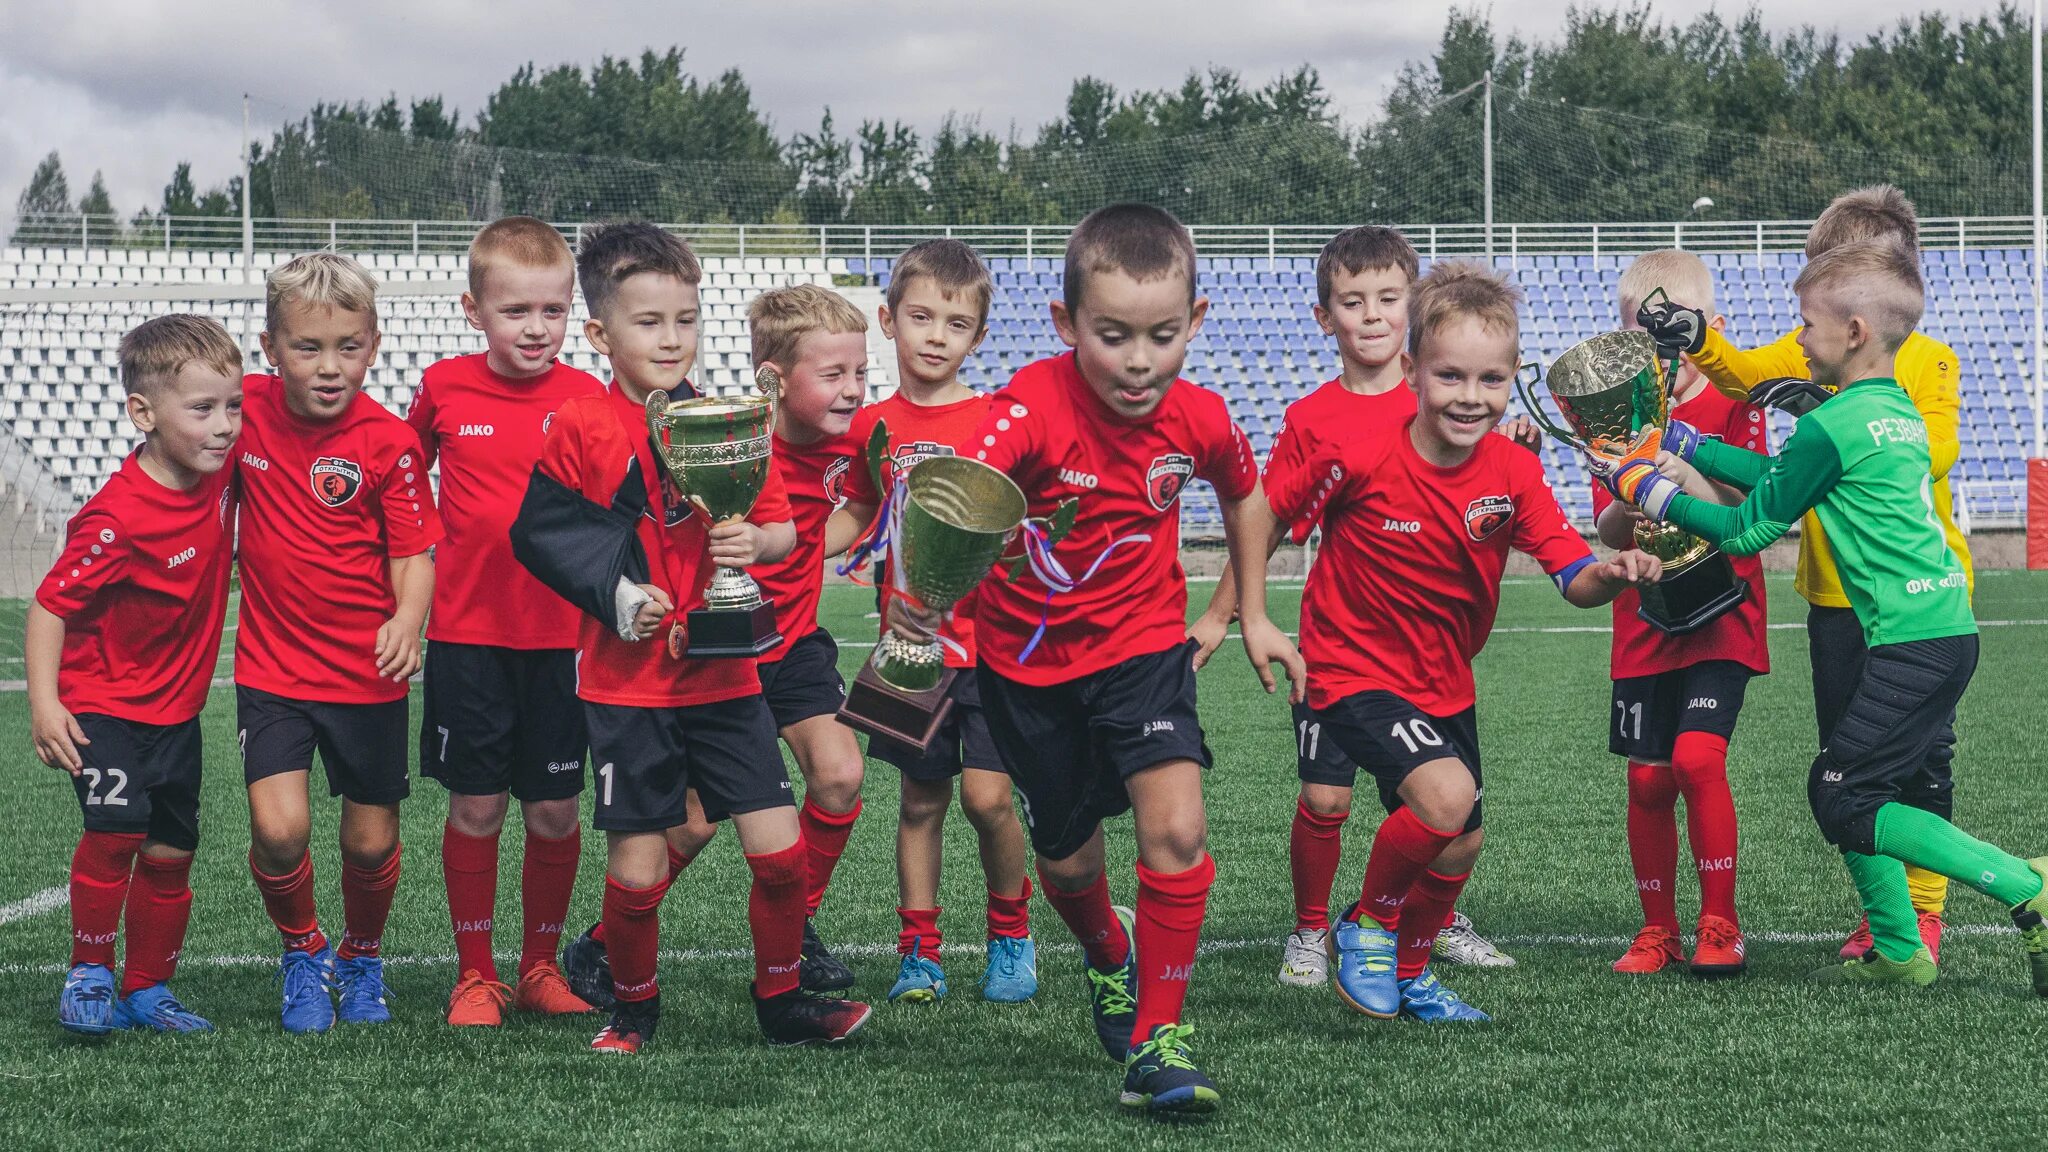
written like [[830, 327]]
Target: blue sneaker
[[1364, 956], [1012, 973], [1422, 998], [308, 979], [154, 1009], [361, 979], [1113, 1000], [1160, 1077], [920, 980], [86, 1006]]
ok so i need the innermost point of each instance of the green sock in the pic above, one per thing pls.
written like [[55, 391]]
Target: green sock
[[1881, 882], [1925, 840]]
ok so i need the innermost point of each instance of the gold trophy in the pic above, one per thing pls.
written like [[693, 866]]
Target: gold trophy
[[716, 450], [1611, 389]]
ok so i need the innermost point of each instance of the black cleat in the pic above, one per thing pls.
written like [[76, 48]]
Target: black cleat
[[632, 1026], [1112, 997], [589, 971], [801, 1017], [819, 970]]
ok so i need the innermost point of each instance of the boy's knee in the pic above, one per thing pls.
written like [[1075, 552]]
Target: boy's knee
[[1326, 799], [1847, 817], [922, 804], [478, 816], [987, 809], [550, 819], [834, 783]]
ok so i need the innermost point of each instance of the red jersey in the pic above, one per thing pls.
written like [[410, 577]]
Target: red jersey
[[1404, 592], [142, 587], [1333, 414], [487, 429], [589, 446], [326, 505], [815, 478], [1050, 433], [1640, 650], [919, 432]]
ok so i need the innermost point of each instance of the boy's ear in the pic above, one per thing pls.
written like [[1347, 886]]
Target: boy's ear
[[887, 320], [269, 353], [1201, 309], [1063, 323], [1408, 371], [979, 335], [141, 413], [1323, 321], [1719, 323], [593, 331], [471, 312]]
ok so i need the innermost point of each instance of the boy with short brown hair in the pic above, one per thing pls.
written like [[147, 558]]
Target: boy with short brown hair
[[499, 717], [122, 639]]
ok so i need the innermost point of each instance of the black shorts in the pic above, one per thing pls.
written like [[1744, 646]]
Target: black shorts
[[1902, 707], [502, 720], [1834, 643], [962, 742], [362, 746], [1070, 746], [1316, 760], [805, 682], [1389, 738], [140, 778], [647, 759], [1650, 711]]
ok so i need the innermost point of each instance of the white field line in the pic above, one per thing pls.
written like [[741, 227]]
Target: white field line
[[1059, 947], [49, 899]]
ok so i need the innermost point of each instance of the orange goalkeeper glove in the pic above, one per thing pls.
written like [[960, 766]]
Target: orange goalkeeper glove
[[1631, 474]]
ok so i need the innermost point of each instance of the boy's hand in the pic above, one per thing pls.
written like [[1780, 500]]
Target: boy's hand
[[1266, 645], [398, 648], [1523, 431], [1632, 567], [1208, 632], [56, 735], [651, 612], [1674, 328], [913, 623], [735, 544]]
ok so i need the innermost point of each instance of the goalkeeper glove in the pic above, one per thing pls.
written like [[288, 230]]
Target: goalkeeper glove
[[1789, 394], [1675, 328], [1632, 477], [1681, 439]]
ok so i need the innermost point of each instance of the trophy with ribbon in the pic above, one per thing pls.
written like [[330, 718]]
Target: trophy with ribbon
[[1614, 389], [716, 452]]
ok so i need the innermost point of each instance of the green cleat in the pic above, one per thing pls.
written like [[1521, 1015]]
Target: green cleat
[[2033, 930], [1873, 968]]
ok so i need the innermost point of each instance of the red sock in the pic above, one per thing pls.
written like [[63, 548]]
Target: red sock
[[825, 836], [920, 929], [1699, 761], [1010, 916], [159, 908], [547, 875], [775, 914], [288, 899], [365, 905], [632, 926], [469, 867], [1423, 915], [100, 869], [676, 863], [1401, 849], [1170, 910], [1092, 920], [1314, 845], [1653, 841]]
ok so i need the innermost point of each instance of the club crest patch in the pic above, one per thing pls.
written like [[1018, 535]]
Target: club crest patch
[[1167, 476], [336, 480], [835, 480], [1484, 516], [918, 451]]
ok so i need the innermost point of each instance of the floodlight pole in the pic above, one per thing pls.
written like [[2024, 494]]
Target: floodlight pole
[[2040, 240], [1486, 155], [248, 222]]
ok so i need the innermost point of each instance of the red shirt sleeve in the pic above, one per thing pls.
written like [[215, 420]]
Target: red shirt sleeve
[[1301, 495], [1010, 435], [860, 486], [411, 522], [561, 454], [1229, 463], [421, 416], [94, 555], [1540, 528], [772, 505]]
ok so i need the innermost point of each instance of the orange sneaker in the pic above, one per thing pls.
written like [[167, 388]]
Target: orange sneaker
[[545, 991], [477, 1002], [1654, 948], [1930, 933], [1859, 943], [1719, 951]]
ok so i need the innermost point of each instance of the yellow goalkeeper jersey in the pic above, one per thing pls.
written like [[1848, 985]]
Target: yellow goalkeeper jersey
[[1928, 371]]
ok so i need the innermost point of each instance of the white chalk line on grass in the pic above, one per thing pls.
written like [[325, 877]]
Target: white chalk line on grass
[[48, 900], [1059, 947]]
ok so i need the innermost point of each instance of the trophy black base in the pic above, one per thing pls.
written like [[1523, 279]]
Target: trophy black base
[[879, 708], [732, 632], [1694, 598]]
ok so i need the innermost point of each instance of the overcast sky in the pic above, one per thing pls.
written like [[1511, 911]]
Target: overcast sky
[[131, 87]]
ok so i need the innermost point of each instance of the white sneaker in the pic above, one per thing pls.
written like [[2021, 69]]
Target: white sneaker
[[1306, 960], [1459, 943]]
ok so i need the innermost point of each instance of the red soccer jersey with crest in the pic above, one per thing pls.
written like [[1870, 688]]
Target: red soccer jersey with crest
[[589, 446], [326, 505], [1333, 414], [1050, 433], [1404, 591], [919, 432], [487, 429], [142, 587], [815, 477], [1640, 650]]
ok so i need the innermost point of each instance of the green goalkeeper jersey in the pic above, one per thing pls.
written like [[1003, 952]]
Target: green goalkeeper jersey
[[1860, 462]]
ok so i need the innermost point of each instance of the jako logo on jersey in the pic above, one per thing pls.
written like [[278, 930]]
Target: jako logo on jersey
[[482, 430], [335, 480], [835, 479], [1408, 526], [1152, 726], [1484, 516], [1078, 479], [181, 557], [256, 462], [1167, 476]]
